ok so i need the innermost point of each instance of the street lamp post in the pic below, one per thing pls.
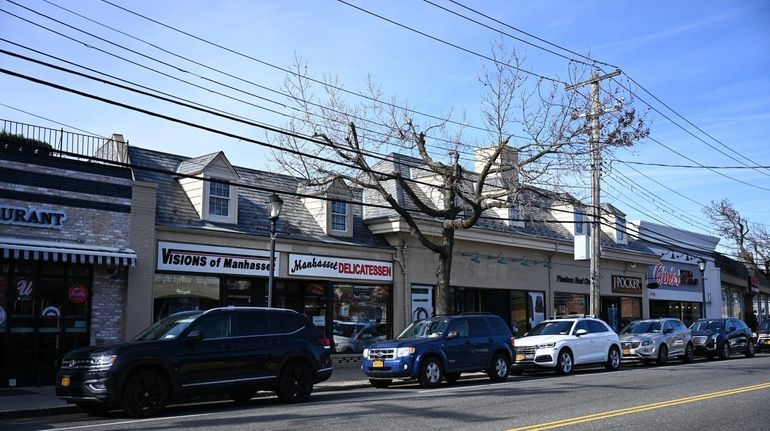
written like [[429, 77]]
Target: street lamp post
[[702, 267], [274, 206]]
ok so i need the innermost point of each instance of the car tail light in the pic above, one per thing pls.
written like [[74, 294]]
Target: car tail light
[[513, 342], [325, 341]]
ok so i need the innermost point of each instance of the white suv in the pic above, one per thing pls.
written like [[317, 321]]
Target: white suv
[[567, 342]]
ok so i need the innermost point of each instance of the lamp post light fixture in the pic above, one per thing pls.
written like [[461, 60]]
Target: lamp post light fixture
[[274, 206], [702, 267]]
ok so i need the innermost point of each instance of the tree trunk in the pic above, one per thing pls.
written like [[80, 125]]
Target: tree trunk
[[444, 272]]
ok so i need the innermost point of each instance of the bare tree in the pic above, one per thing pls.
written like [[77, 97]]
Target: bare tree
[[749, 241], [533, 137]]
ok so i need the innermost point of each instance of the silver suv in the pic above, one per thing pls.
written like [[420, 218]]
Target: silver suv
[[656, 340], [566, 342]]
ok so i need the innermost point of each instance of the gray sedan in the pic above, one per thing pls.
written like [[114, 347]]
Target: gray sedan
[[656, 339]]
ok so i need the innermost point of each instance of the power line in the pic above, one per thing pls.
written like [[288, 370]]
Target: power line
[[665, 165], [96, 135]]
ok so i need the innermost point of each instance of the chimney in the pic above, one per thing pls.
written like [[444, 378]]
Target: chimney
[[507, 162]]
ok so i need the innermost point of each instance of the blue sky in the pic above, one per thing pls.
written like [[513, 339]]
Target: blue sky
[[708, 60]]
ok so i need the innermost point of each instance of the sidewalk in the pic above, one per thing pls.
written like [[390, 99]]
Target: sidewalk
[[43, 400]]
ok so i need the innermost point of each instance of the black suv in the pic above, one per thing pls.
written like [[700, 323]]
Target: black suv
[[722, 337], [442, 347], [233, 350]]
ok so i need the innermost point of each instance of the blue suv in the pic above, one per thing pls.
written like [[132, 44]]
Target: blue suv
[[440, 348]]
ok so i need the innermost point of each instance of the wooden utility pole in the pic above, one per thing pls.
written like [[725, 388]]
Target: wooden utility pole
[[596, 172]]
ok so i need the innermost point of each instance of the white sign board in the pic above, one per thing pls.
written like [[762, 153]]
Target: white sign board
[[340, 267], [182, 257]]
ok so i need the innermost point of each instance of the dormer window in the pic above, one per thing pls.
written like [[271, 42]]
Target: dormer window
[[620, 229], [219, 199], [339, 216], [579, 219]]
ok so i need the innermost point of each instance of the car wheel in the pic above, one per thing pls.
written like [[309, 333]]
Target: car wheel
[[613, 359], [498, 371], [296, 383], [94, 409], [689, 354], [750, 349], [242, 396], [430, 373], [662, 355], [146, 394], [452, 377], [724, 353], [564, 363], [380, 384]]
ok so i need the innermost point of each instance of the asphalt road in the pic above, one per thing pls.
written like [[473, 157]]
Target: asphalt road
[[704, 395]]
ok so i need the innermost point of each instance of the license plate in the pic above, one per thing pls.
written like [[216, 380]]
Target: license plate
[[65, 381], [519, 357], [377, 364], [626, 351]]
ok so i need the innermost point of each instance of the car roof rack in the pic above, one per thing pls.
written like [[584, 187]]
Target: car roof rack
[[573, 316], [476, 313]]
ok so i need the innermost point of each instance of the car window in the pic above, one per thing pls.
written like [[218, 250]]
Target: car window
[[169, 327], [668, 326], [708, 325], [556, 327], [425, 328], [581, 324], [286, 323], [730, 326], [642, 327], [498, 326], [459, 325], [765, 325], [741, 324], [251, 323], [213, 326], [596, 327], [478, 328], [680, 326]]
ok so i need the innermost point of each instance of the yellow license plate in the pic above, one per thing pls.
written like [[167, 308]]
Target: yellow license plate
[[626, 351], [377, 364], [65, 381], [519, 357]]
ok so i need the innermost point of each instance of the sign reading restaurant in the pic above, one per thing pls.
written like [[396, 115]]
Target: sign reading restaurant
[[182, 257], [340, 267], [32, 217]]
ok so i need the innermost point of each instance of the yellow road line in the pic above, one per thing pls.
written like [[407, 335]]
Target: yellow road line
[[639, 409]]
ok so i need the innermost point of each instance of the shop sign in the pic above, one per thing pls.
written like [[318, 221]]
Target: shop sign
[[51, 312], [181, 257], [33, 217], [77, 294], [572, 280], [629, 285], [670, 276], [339, 267], [24, 289]]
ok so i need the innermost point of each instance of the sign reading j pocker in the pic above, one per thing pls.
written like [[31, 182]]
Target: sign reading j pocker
[[181, 257], [340, 267]]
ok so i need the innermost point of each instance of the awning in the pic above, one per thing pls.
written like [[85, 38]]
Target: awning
[[51, 251]]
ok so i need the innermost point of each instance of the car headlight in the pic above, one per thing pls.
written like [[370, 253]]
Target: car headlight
[[546, 345], [404, 351], [366, 353], [647, 343], [102, 362]]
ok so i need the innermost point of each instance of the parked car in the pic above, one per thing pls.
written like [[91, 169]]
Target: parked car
[[232, 350], [353, 337], [443, 347], [564, 343], [722, 337], [762, 336], [656, 339]]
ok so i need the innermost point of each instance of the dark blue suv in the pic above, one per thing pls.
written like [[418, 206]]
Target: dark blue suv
[[442, 347]]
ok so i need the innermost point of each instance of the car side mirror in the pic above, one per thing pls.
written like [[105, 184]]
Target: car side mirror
[[580, 332], [526, 334], [453, 334], [194, 336]]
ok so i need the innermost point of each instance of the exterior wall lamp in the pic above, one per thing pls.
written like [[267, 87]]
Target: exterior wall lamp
[[702, 268], [274, 206]]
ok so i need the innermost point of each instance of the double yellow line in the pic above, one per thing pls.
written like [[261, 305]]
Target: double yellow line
[[639, 409]]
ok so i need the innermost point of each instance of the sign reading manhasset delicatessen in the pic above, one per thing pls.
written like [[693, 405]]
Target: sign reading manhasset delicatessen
[[339, 267]]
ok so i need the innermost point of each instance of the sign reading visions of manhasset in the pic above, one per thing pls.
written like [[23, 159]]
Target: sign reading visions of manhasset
[[621, 284], [340, 267], [180, 257], [32, 217]]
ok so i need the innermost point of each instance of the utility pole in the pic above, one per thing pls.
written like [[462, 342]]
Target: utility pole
[[596, 173]]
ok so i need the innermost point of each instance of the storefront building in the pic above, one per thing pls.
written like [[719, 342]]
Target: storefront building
[[212, 247], [736, 296], [64, 252]]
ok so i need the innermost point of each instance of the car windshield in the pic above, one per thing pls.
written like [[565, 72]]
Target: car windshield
[[642, 327], [707, 325], [765, 326], [552, 328], [168, 328], [424, 329]]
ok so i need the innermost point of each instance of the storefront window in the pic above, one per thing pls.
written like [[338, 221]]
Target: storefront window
[[687, 312], [725, 304], [360, 316], [736, 304], [183, 292], [569, 303]]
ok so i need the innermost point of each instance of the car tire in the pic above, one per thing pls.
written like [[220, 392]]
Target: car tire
[[724, 352], [564, 363], [498, 369], [662, 355], [242, 396], [452, 377], [750, 349], [94, 409], [430, 373], [146, 394], [380, 384], [295, 383], [613, 359], [689, 354]]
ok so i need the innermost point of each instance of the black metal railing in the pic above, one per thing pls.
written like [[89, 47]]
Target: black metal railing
[[44, 141]]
